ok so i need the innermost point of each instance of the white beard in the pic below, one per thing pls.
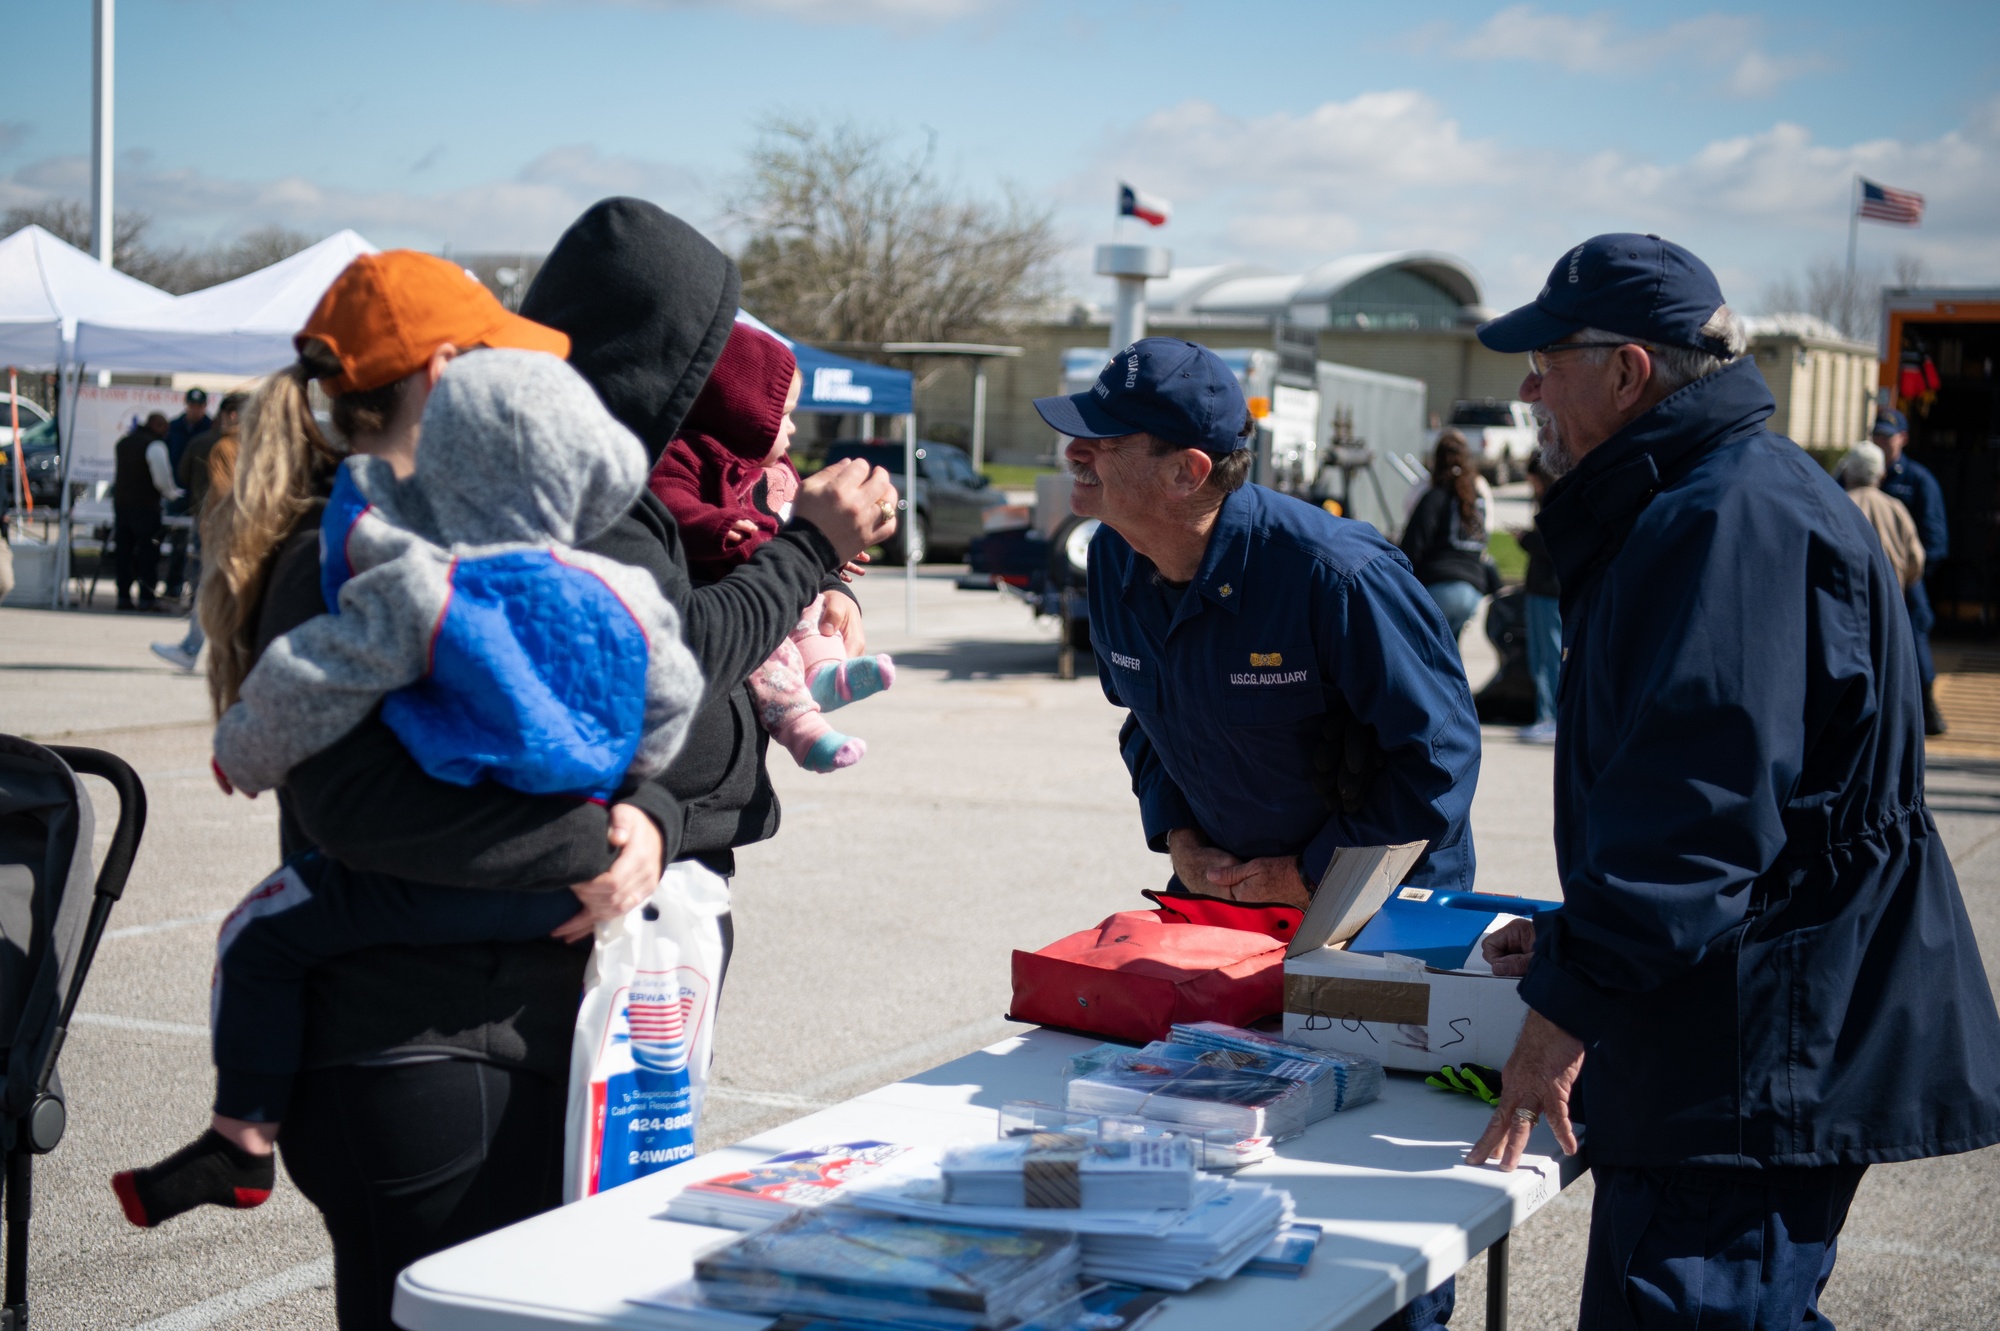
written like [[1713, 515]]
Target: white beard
[[1555, 454]]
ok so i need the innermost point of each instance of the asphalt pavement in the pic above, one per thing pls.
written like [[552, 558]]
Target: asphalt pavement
[[873, 937]]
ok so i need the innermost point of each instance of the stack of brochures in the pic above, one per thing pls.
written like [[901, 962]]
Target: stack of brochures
[[1213, 1242], [1211, 1148], [795, 1180], [1062, 1170], [1287, 1255], [1230, 1223], [1174, 1090], [1342, 1082], [890, 1271], [1110, 1306]]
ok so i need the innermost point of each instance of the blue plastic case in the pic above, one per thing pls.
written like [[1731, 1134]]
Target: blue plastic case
[[1438, 928]]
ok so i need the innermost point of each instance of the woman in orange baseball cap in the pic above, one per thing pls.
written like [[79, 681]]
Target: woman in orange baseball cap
[[460, 1053], [376, 342]]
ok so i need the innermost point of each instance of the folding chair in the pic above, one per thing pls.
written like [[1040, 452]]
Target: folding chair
[[51, 918]]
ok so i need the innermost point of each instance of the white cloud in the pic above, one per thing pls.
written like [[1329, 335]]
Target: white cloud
[[1391, 170], [1727, 46], [526, 212], [811, 11]]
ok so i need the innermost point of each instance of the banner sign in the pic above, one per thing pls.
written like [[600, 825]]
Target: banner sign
[[106, 415]]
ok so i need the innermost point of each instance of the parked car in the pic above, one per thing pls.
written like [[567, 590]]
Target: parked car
[[1503, 433], [950, 500], [32, 415], [43, 458]]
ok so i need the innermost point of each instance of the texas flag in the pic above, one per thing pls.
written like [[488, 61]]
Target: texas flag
[[1148, 208]]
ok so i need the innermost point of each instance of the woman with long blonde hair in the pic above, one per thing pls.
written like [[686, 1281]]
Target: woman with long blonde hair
[[282, 467], [459, 1053]]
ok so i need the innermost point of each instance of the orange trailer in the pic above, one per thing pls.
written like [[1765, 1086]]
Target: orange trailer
[[1940, 349]]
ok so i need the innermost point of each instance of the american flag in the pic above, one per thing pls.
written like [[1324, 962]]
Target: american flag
[[1879, 203], [658, 1027]]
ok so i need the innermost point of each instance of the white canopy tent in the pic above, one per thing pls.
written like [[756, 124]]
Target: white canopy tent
[[241, 327], [244, 326], [49, 288]]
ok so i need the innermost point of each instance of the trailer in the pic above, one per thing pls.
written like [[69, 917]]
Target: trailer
[[1939, 350]]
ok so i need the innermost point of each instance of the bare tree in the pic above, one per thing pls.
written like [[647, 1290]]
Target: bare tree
[[851, 240], [1853, 306], [175, 269], [69, 221]]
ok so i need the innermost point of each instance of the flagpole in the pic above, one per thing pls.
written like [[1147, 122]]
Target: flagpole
[[1853, 225]]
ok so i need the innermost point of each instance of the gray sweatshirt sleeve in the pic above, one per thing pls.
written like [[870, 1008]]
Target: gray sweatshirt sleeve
[[319, 681]]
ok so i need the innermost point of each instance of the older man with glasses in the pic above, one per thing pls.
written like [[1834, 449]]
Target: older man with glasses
[[1762, 979]]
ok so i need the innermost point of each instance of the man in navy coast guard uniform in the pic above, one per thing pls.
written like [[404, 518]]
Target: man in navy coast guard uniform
[[1762, 968], [1253, 636], [1910, 483]]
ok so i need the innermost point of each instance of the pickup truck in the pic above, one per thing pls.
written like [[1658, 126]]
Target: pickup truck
[[1503, 433]]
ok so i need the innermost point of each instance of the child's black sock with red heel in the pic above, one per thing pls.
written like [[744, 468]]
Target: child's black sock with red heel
[[210, 1171]]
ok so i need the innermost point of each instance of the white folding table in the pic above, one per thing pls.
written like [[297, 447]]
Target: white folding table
[[1386, 1181]]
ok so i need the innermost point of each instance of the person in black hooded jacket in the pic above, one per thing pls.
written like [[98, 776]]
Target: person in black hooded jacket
[[431, 1109]]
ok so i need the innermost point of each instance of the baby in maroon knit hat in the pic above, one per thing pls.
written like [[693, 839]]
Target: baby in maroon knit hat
[[729, 484]]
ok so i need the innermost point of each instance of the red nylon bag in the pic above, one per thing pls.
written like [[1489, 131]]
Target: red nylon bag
[[1271, 918], [1141, 971]]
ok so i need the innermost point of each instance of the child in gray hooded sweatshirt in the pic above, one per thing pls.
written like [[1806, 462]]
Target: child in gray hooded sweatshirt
[[496, 650]]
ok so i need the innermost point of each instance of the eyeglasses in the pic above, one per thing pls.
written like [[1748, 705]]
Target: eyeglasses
[[1539, 357]]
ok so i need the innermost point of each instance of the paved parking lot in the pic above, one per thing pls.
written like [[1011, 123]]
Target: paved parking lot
[[873, 937]]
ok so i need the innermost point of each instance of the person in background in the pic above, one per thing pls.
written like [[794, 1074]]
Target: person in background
[[1545, 630], [1860, 474], [143, 478], [1762, 966], [182, 430], [1445, 540], [196, 474], [1911, 484]]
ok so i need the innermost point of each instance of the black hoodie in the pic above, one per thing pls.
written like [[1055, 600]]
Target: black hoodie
[[648, 303]]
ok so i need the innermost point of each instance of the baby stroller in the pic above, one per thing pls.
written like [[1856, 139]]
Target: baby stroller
[[51, 918]]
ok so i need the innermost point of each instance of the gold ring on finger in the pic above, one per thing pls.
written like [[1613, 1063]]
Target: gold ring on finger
[[888, 509], [1523, 1114]]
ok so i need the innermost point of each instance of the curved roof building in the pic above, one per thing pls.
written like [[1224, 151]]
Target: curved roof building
[[1396, 289]]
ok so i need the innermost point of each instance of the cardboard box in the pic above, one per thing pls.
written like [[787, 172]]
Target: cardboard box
[[1399, 1010]]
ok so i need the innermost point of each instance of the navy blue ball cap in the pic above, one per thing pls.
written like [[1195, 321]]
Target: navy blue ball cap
[[1890, 421], [1641, 287], [1177, 391]]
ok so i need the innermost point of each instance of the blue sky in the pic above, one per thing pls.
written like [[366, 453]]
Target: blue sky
[[1285, 133]]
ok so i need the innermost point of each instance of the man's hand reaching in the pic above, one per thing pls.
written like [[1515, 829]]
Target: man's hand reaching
[[1510, 948], [1537, 1081]]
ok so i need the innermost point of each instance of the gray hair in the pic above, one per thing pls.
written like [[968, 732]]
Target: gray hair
[[1674, 368], [1864, 465]]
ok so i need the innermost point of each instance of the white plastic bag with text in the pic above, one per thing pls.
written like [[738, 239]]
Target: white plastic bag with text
[[644, 1033]]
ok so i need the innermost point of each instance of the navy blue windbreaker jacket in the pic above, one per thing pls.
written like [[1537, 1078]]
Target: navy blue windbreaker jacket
[[1761, 940], [1294, 613], [1910, 482]]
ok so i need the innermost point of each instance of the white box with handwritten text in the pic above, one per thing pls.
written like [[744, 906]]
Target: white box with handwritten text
[[1400, 1011]]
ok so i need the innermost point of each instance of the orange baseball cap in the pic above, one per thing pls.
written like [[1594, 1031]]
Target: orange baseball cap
[[387, 313]]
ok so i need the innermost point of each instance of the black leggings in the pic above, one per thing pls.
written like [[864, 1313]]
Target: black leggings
[[407, 1160]]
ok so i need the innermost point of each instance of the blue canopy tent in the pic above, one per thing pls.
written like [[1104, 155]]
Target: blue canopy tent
[[837, 385]]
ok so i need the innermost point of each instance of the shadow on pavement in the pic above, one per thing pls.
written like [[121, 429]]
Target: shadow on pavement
[[972, 659]]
